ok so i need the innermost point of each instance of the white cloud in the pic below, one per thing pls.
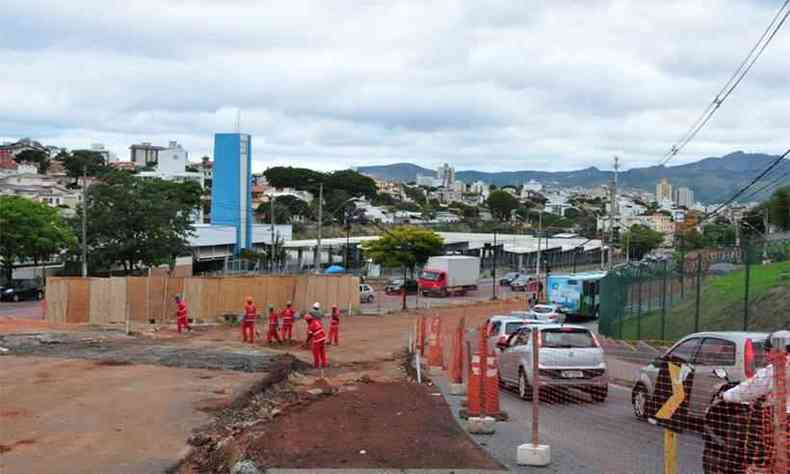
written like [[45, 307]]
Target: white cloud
[[486, 85]]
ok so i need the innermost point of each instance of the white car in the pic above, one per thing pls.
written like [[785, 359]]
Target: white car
[[366, 293], [550, 313], [501, 327], [570, 357]]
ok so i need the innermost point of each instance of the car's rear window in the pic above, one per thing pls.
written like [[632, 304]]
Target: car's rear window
[[510, 328], [567, 338], [543, 309]]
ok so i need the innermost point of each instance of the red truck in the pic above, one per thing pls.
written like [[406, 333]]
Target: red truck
[[449, 275]]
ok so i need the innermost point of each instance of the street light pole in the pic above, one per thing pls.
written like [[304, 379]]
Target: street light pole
[[348, 237], [540, 231], [84, 222], [493, 273], [271, 262]]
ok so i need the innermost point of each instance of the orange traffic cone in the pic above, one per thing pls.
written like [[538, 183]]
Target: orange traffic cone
[[435, 346], [422, 335], [456, 370], [473, 402], [491, 403]]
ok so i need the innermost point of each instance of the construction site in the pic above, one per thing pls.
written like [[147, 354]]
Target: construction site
[[107, 384]]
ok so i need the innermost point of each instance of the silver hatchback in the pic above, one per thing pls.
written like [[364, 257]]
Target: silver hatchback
[[570, 357], [702, 357]]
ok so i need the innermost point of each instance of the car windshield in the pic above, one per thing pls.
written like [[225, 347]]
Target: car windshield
[[431, 276], [567, 338], [396, 282], [543, 309], [510, 328]]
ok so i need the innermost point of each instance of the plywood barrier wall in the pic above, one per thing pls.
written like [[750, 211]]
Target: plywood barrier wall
[[108, 300]]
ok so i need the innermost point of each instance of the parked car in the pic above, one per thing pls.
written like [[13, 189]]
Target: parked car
[[508, 278], [396, 287], [20, 290], [740, 354], [366, 293], [570, 357], [520, 283], [547, 312]]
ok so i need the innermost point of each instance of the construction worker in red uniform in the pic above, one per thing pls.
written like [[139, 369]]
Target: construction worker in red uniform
[[248, 324], [316, 335], [182, 315], [273, 323], [288, 322], [334, 326]]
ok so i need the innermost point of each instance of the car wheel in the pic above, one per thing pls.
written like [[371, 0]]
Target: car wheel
[[524, 389], [15, 298], [639, 400], [599, 394]]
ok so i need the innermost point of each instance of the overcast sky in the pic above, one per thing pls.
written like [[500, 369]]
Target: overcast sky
[[499, 85]]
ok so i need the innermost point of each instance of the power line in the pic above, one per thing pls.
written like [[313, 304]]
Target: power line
[[733, 82], [778, 180], [754, 181]]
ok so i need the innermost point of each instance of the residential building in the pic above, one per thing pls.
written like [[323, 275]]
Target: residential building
[[106, 154], [458, 186], [684, 197], [42, 188], [532, 185], [663, 191], [663, 223], [122, 166], [374, 213], [478, 187], [428, 181], [173, 159], [14, 148], [144, 154], [446, 217], [445, 174], [10, 167], [231, 196]]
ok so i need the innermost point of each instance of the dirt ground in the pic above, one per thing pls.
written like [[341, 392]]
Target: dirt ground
[[85, 399], [378, 425], [68, 416]]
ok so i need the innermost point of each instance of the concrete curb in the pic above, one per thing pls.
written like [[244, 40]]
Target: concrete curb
[[384, 471]]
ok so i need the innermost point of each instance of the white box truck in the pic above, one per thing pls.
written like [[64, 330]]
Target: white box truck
[[449, 275]]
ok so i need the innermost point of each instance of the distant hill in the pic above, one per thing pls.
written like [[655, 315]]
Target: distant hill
[[712, 179]]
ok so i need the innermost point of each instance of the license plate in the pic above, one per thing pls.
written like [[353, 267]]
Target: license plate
[[572, 374]]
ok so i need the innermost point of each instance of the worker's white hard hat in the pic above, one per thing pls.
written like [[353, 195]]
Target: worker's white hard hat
[[316, 305]]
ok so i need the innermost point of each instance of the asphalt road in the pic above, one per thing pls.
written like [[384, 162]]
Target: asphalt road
[[585, 437], [22, 310], [384, 303]]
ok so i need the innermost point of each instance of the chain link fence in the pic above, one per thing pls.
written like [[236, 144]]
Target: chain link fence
[[740, 288]]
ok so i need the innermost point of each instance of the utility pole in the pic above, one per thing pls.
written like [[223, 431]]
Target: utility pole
[[271, 221], [84, 221], [614, 209], [493, 275], [540, 231], [320, 222]]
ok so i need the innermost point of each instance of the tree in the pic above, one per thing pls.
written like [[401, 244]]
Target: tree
[[719, 234], [779, 208], [134, 221], [91, 162], [37, 157], [351, 182], [404, 247], [642, 240], [285, 209], [298, 178], [30, 231], [501, 204]]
